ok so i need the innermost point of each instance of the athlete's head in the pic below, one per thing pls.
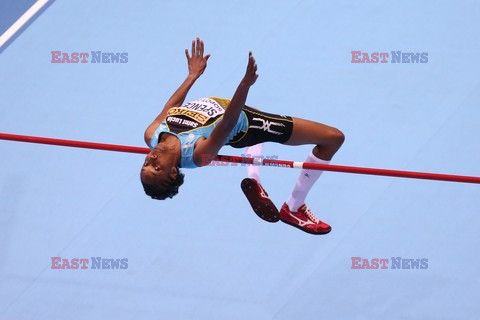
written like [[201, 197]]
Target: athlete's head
[[160, 175]]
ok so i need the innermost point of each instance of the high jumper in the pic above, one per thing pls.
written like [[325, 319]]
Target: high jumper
[[183, 134]]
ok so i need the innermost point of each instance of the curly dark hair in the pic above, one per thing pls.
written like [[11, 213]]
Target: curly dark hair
[[166, 189]]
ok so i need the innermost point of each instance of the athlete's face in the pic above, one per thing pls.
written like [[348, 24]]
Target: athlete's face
[[158, 167]]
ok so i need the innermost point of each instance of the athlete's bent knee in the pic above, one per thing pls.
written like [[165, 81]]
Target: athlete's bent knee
[[336, 137], [339, 137]]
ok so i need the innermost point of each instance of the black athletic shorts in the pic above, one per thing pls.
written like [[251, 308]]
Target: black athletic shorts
[[262, 127]]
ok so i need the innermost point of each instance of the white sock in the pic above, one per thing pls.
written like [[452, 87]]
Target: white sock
[[304, 183], [253, 171]]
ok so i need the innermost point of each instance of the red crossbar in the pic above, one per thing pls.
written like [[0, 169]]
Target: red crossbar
[[264, 162]]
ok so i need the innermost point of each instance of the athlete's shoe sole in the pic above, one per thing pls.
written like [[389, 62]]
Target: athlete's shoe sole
[[261, 203]]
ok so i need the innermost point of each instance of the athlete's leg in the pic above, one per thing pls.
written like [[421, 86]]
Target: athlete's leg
[[265, 127], [256, 195], [327, 139], [253, 170]]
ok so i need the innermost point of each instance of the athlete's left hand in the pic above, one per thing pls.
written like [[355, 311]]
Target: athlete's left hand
[[251, 75], [197, 62]]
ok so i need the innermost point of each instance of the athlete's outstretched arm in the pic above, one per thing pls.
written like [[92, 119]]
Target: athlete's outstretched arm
[[196, 66], [215, 142]]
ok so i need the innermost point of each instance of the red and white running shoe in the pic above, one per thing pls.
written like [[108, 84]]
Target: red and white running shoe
[[303, 219], [259, 200]]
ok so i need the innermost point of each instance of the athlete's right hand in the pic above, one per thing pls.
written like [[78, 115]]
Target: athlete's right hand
[[197, 62], [251, 75]]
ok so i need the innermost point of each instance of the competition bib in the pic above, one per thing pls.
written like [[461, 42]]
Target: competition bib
[[193, 115]]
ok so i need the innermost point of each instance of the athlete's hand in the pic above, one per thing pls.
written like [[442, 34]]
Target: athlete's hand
[[197, 62], [251, 75]]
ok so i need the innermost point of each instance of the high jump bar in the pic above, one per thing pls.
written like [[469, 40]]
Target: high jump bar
[[245, 160]]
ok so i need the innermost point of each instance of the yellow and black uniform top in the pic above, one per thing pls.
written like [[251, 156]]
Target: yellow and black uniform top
[[193, 120]]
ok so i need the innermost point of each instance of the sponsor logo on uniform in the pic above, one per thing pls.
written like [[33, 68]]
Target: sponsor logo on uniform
[[266, 126], [198, 117], [199, 112]]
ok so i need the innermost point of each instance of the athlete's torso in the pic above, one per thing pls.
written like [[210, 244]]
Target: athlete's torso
[[198, 114], [192, 121]]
